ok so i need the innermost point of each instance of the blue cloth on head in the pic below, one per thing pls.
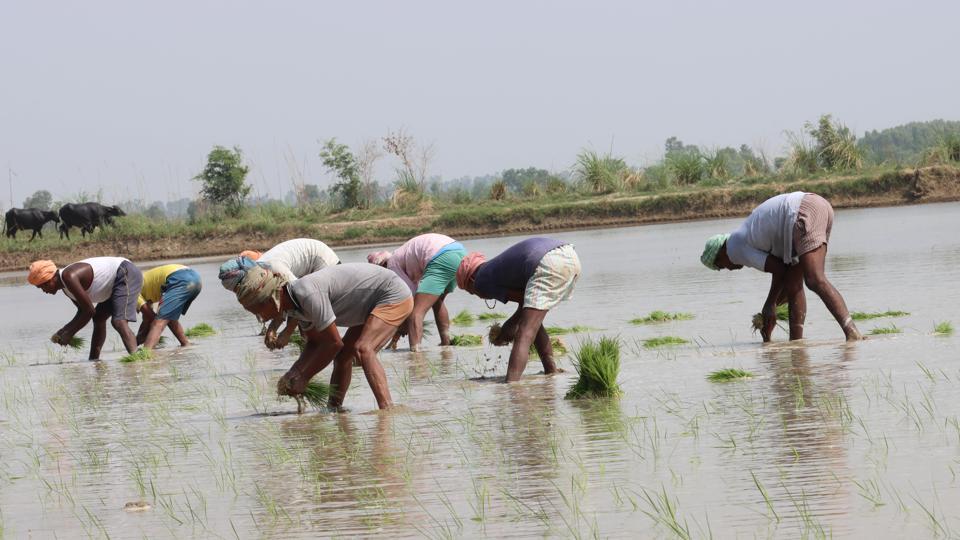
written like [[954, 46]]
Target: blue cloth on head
[[233, 271]]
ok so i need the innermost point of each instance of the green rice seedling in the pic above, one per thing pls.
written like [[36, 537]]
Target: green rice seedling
[[661, 317], [863, 316], [298, 340], [783, 314], [728, 374], [466, 340], [76, 343], [494, 332], [560, 330], [200, 330], [557, 344], [943, 328], [892, 329], [663, 341], [315, 394], [464, 318], [137, 356], [492, 316], [598, 364]]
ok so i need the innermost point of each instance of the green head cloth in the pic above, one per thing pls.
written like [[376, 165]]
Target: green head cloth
[[709, 256]]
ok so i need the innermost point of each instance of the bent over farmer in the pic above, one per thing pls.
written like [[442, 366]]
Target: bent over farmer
[[371, 302], [428, 265], [102, 288], [786, 236], [293, 259], [538, 274], [168, 291]]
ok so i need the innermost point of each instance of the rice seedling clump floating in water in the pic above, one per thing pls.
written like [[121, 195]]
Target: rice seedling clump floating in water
[[661, 317], [137, 356], [466, 340], [200, 330], [492, 316], [560, 330], [943, 328], [464, 318], [663, 341], [598, 364], [892, 329], [863, 316], [729, 374]]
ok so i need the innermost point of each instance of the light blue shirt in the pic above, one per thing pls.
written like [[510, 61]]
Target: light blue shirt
[[767, 231]]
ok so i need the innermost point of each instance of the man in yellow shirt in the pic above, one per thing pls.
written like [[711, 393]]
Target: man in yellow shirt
[[172, 288]]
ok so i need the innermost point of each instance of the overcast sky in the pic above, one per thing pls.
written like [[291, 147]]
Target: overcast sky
[[129, 97]]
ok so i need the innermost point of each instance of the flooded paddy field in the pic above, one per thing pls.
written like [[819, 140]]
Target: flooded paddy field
[[825, 439]]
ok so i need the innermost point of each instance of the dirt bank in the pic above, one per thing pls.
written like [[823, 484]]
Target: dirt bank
[[912, 186]]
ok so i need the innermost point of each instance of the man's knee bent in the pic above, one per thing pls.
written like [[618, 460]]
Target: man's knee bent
[[119, 324]]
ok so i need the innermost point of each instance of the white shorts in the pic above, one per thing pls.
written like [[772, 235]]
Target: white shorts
[[553, 280]]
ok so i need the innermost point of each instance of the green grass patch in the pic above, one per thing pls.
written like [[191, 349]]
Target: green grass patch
[[663, 341], [863, 316], [464, 318], [728, 374], [943, 328], [200, 330], [661, 317], [560, 330], [492, 316], [557, 344], [137, 356], [892, 329], [598, 364], [466, 340]]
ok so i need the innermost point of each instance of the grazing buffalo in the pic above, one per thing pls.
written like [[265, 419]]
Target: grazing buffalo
[[27, 219], [87, 216]]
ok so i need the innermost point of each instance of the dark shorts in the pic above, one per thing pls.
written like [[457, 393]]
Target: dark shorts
[[177, 293], [122, 304]]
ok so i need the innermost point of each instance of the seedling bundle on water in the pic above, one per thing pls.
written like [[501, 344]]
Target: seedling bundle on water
[[661, 317], [557, 344], [560, 330], [137, 356], [892, 329], [492, 316], [862, 316], [464, 318], [466, 340], [943, 329], [728, 374], [598, 364], [663, 341], [200, 330]]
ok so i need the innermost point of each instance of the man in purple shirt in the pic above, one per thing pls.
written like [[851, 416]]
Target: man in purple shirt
[[538, 274]]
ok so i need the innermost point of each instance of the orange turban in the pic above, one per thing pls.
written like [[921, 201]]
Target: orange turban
[[250, 254], [41, 272], [468, 267]]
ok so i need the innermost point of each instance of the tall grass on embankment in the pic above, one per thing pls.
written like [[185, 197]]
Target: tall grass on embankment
[[598, 365]]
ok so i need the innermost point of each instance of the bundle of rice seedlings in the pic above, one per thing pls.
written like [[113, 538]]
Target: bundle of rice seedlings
[[943, 328], [200, 330], [598, 364], [728, 374], [560, 330], [892, 329], [557, 344], [298, 340], [464, 318], [663, 341], [76, 343], [315, 394], [493, 316], [466, 340], [661, 317], [783, 314], [494, 333], [137, 356], [863, 316]]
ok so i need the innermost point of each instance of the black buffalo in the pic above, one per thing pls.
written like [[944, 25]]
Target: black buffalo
[[87, 216], [27, 219]]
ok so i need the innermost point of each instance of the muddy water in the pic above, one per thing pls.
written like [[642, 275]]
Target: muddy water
[[826, 439]]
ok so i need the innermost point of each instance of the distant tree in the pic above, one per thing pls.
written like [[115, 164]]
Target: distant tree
[[339, 160], [224, 179], [311, 194], [414, 159], [155, 211], [674, 144], [519, 179], [906, 143], [41, 199]]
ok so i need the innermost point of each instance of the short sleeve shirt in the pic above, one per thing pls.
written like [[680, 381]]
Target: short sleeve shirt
[[153, 281], [513, 268], [299, 257], [410, 260], [767, 231], [345, 294]]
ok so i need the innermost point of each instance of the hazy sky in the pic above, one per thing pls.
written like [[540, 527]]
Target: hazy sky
[[130, 96]]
